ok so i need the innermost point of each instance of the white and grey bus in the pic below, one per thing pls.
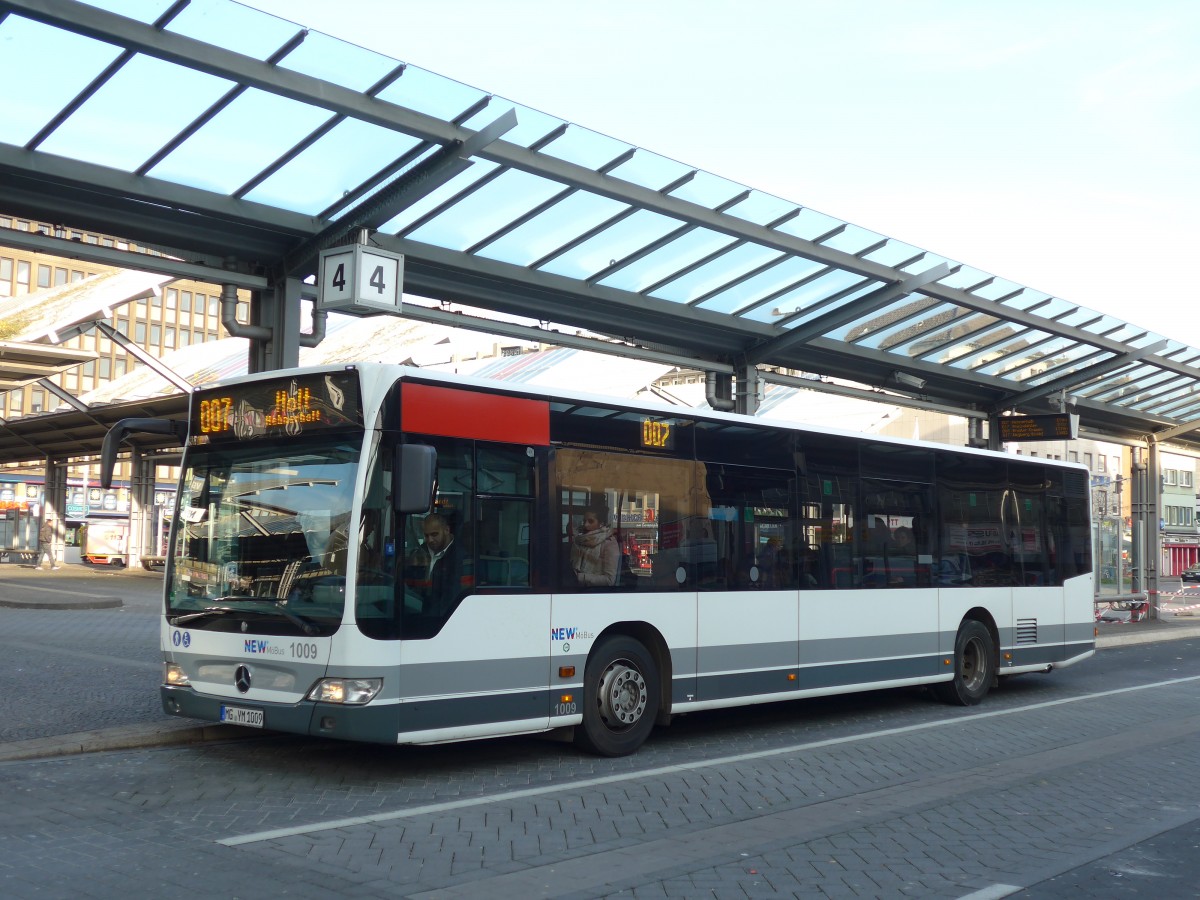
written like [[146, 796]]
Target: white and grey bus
[[382, 554]]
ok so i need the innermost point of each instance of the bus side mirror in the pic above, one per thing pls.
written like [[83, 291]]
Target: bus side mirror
[[414, 477], [125, 427]]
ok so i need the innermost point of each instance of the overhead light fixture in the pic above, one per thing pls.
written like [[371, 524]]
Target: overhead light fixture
[[907, 380]]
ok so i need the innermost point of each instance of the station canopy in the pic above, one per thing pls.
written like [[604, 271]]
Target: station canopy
[[233, 139]]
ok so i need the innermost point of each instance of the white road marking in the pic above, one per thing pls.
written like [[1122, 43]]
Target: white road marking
[[582, 784]]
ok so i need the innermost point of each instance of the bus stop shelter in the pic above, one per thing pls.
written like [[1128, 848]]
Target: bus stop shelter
[[240, 146]]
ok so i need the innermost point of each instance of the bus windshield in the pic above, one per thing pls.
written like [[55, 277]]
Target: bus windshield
[[261, 535]]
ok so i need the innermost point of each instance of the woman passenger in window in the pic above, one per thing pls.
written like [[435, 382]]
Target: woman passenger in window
[[595, 555]]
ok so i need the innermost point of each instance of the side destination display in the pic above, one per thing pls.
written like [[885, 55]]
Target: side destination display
[[284, 407], [1063, 427]]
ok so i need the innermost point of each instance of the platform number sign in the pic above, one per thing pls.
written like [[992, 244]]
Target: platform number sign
[[360, 280]]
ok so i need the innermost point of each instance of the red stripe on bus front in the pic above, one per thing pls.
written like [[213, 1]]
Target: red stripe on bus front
[[449, 412]]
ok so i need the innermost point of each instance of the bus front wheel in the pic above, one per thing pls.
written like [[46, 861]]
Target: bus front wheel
[[974, 666], [620, 697]]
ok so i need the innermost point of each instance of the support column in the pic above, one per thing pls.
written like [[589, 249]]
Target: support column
[[746, 400], [278, 309], [1154, 515], [139, 526], [54, 504]]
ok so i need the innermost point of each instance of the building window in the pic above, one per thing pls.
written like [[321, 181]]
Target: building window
[[1101, 463], [1073, 455], [1087, 460], [1185, 478]]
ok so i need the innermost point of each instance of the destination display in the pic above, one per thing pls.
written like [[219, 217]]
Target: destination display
[[658, 434], [287, 407], [1062, 427]]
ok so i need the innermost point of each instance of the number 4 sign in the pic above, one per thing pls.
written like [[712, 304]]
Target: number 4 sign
[[360, 280]]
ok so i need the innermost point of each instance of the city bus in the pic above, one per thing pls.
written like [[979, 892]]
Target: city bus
[[378, 553]]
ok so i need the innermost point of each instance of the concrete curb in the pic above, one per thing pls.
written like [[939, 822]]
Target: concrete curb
[[128, 737], [75, 601]]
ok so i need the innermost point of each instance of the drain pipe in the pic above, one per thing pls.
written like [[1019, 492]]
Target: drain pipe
[[317, 334], [229, 301], [718, 391]]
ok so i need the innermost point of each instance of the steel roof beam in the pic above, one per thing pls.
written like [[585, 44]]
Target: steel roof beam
[[1180, 400], [916, 310], [873, 301], [66, 397], [428, 175], [561, 339], [870, 394], [155, 364], [127, 259], [99, 24], [315, 135], [98, 82], [1144, 392], [181, 136], [1066, 382], [440, 274], [151, 211]]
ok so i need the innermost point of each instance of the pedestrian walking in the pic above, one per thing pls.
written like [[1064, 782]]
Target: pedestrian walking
[[46, 544]]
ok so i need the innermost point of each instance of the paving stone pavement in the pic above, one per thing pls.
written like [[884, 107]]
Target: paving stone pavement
[[886, 796], [875, 795]]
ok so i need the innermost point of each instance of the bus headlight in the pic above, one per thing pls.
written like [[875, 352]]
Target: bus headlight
[[351, 691], [174, 676]]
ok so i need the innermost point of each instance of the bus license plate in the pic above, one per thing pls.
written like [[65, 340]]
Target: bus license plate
[[235, 715]]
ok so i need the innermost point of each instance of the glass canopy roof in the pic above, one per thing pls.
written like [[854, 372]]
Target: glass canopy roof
[[266, 128]]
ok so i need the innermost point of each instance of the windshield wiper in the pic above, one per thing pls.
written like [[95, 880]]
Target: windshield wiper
[[207, 611], [305, 625]]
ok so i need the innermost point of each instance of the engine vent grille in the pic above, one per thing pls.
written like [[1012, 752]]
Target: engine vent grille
[[1027, 631]]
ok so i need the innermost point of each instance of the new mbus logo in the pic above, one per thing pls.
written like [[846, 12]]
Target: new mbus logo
[[570, 634]]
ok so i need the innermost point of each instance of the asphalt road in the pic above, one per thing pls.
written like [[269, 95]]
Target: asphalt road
[[1076, 784]]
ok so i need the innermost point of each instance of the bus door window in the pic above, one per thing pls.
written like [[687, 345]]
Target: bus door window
[[1033, 548], [1068, 531], [505, 484], [975, 547]]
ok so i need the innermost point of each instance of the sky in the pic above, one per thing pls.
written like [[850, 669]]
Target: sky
[[1054, 144]]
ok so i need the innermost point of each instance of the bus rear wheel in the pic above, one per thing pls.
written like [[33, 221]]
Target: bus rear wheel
[[620, 697], [974, 666]]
